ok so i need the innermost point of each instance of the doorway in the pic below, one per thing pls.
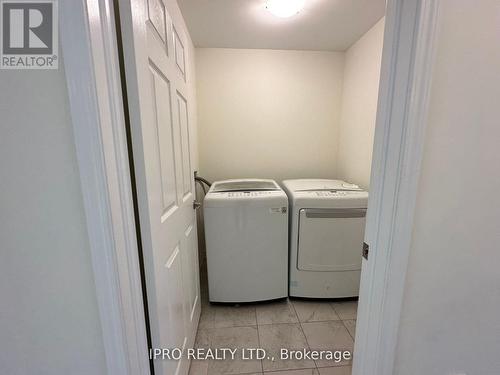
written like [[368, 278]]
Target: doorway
[[179, 57], [278, 110], [256, 113]]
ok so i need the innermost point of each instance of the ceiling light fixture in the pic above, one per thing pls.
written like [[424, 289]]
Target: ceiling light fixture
[[284, 8]]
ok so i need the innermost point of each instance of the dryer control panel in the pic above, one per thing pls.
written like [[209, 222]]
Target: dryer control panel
[[335, 193], [329, 193]]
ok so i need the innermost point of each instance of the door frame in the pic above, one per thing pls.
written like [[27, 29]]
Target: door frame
[[89, 45], [402, 110], [90, 52]]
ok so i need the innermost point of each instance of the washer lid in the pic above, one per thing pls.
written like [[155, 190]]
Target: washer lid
[[245, 185]]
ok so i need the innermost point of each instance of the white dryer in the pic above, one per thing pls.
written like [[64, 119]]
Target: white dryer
[[246, 232], [327, 222]]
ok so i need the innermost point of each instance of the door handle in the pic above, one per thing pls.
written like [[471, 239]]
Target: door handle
[[322, 213], [196, 204]]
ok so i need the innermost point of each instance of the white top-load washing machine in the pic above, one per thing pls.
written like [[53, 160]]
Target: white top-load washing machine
[[327, 222], [246, 232]]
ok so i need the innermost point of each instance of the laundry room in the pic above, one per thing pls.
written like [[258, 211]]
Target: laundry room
[[286, 105], [249, 187]]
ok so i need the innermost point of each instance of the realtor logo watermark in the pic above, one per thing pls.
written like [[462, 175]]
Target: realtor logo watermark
[[29, 37]]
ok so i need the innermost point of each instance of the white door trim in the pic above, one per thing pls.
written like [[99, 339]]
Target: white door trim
[[92, 72], [409, 41], [91, 63]]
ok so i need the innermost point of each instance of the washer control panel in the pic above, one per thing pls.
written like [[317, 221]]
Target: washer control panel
[[241, 194]]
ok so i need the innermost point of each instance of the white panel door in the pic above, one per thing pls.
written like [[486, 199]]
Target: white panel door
[[157, 94]]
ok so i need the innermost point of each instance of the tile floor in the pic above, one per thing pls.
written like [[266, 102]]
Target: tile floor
[[292, 324]]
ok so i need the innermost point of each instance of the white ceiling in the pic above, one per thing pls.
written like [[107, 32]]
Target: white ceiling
[[331, 25]]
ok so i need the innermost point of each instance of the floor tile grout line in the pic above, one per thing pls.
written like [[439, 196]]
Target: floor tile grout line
[[338, 303], [258, 340], [238, 325], [307, 321], [289, 370], [303, 332], [326, 303], [349, 332], [259, 327], [342, 320]]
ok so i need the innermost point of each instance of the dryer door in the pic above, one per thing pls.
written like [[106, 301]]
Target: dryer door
[[330, 239]]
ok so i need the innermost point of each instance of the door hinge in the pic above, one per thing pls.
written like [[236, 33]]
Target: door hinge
[[366, 249]]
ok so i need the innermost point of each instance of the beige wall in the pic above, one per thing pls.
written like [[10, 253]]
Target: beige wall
[[49, 322], [268, 113], [359, 106], [449, 322]]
